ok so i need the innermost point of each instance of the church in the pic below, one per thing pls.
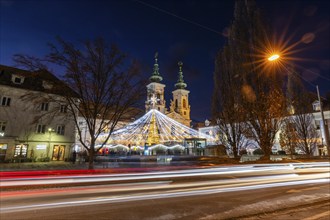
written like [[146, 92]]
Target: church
[[179, 108]]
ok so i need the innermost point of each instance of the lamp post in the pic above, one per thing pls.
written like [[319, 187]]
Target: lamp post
[[50, 130], [324, 125]]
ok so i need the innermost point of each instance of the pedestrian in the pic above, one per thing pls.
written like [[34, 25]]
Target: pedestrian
[[74, 157]]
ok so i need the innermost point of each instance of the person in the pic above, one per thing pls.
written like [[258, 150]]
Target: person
[[74, 157]]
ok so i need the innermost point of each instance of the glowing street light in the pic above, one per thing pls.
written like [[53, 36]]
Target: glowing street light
[[273, 57]]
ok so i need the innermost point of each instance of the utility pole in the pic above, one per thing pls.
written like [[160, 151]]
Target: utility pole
[[324, 124]]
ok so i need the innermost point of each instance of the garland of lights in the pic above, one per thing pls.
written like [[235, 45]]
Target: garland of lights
[[169, 130], [178, 146]]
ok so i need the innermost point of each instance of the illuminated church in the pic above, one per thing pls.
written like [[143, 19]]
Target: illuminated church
[[179, 108]]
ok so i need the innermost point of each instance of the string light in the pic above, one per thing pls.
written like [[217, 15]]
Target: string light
[[168, 130]]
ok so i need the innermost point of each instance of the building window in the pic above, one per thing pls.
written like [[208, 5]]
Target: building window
[[21, 150], [316, 106], [44, 106], [3, 151], [58, 152], [3, 126], [184, 113], [176, 103], [41, 129], [60, 129], [5, 101], [317, 125], [63, 108], [184, 103], [17, 79]]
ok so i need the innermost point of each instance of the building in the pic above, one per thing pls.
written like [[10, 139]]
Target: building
[[319, 150], [128, 117], [179, 109], [35, 123]]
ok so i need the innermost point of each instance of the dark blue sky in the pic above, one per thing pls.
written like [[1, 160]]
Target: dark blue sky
[[190, 31]]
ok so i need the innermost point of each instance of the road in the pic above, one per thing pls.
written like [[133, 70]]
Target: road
[[259, 191]]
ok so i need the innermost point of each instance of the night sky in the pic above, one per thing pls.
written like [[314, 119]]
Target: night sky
[[190, 31]]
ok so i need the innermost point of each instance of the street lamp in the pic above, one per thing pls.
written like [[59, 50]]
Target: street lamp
[[273, 57]]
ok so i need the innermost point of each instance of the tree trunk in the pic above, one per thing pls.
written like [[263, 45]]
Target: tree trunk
[[266, 149], [91, 159], [235, 152]]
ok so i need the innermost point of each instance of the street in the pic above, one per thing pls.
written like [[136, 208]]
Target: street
[[243, 191]]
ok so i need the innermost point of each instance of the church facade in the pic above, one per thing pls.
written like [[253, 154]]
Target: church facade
[[179, 108]]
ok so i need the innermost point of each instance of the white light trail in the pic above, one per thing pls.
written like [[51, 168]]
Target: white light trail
[[151, 175], [130, 198]]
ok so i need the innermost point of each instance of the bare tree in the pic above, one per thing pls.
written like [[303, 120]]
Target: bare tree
[[226, 104], [306, 133], [288, 137], [258, 95], [265, 116], [105, 86], [302, 119]]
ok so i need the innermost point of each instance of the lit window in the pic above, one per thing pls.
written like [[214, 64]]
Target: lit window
[[60, 129], [44, 106], [21, 150], [316, 107], [5, 101], [41, 129]]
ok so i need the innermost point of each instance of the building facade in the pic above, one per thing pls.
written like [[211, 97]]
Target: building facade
[[35, 124]]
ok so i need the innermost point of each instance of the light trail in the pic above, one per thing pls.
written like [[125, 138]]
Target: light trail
[[160, 175], [131, 198], [127, 177], [266, 182]]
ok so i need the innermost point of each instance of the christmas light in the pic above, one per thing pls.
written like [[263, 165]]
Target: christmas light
[[155, 128]]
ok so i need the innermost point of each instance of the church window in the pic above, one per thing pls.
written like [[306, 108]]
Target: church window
[[176, 103], [184, 112], [184, 103]]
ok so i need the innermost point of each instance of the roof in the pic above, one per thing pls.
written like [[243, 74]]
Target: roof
[[41, 81]]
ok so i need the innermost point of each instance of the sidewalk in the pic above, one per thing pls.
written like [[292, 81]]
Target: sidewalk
[[102, 162], [52, 165]]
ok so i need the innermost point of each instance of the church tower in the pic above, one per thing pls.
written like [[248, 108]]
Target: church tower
[[180, 102], [155, 90]]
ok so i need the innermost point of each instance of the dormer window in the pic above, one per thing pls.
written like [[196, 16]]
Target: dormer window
[[47, 85], [316, 106], [17, 79]]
